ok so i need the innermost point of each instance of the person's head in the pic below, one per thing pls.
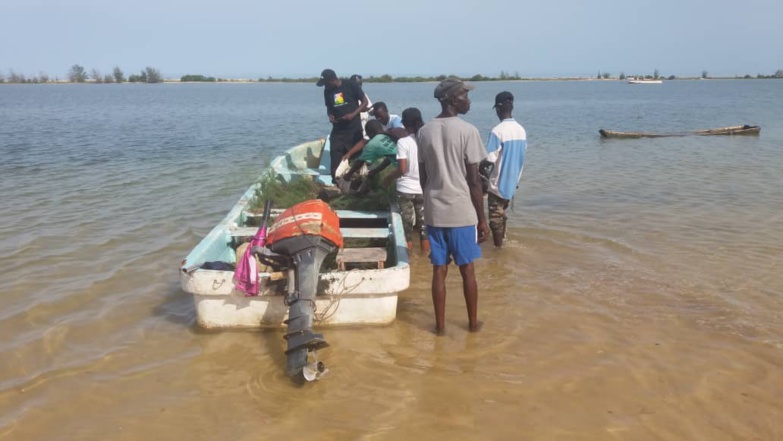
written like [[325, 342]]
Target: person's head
[[504, 104], [453, 95], [373, 127], [356, 78], [328, 79], [411, 119], [381, 112]]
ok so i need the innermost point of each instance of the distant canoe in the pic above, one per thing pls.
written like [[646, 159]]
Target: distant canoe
[[732, 130]]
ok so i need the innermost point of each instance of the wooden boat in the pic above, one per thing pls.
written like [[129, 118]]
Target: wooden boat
[[731, 130], [346, 296]]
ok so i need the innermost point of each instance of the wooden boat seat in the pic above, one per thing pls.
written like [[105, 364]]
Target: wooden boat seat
[[361, 255]]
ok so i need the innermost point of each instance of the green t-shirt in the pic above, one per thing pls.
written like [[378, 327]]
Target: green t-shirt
[[378, 147]]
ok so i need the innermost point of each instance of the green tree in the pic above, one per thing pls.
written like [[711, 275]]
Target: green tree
[[656, 74], [96, 76], [704, 74], [622, 75], [671, 77], [605, 75], [152, 75], [119, 76], [77, 74]]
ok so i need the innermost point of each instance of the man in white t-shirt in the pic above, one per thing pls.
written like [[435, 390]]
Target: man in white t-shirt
[[409, 193]]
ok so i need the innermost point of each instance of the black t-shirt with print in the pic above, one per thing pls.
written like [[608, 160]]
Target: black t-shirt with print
[[343, 100]]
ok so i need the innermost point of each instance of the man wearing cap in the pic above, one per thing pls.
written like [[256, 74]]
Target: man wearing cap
[[450, 150], [344, 101], [506, 149]]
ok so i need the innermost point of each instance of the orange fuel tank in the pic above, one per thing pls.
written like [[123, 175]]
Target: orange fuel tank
[[313, 217]]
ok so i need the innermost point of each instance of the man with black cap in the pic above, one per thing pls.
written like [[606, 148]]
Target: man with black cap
[[506, 149], [450, 150], [344, 101]]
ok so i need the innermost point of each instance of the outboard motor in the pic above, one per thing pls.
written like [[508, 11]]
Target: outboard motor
[[302, 236]]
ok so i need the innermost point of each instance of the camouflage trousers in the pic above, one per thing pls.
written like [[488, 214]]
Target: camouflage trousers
[[412, 213], [497, 212]]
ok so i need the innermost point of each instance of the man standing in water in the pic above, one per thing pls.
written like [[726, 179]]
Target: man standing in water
[[344, 101], [506, 149], [409, 193], [450, 150]]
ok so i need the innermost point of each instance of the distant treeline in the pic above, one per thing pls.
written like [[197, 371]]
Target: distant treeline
[[390, 79], [78, 74]]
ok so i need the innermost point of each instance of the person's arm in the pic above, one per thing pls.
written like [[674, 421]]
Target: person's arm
[[367, 106], [354, 168], [397, 133], [422, 175], [402, 168], [355, 149], [477, 198], [328, 105], [494, 146], [385, 163], [362, 104]]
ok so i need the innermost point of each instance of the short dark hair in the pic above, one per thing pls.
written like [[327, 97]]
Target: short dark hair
[[355, 77], [380, 105], [411, 116], [373, 127]]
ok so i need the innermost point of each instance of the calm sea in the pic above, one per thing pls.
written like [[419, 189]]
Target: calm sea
[[640, 294]]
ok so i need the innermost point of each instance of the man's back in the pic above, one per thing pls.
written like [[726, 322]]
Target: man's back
[[408, 149], [506, 148], [445, 145]]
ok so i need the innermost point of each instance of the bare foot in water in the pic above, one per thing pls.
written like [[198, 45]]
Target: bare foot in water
[[475, 327]]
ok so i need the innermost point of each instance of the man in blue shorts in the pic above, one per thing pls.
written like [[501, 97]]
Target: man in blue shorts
[[450, 150]]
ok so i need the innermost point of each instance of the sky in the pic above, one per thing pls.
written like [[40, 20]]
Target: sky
[[299, 38]]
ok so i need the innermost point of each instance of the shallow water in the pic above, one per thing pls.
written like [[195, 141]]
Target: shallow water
[[640, 294]]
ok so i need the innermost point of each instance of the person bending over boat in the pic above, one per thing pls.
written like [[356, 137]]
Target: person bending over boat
[[409, 193], [389, 121], [506, 150], [450, 150], [344, 101], [380, 146]]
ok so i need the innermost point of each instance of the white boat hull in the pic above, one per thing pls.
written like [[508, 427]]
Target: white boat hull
[[348, 298]]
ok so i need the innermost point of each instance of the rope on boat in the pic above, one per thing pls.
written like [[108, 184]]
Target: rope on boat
[[333, 306]]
